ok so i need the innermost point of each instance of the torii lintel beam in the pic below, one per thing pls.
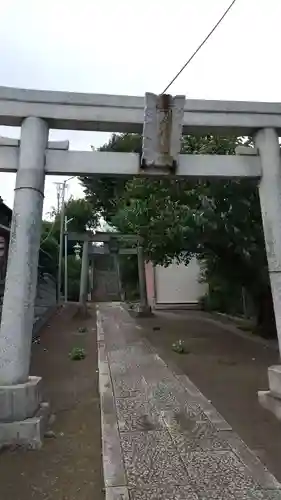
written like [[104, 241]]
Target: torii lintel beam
[[117, 113], [128, 164], [96, 251], [8, 141], [103, 237]]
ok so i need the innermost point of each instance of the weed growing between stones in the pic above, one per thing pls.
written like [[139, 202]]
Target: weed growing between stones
[[77, 353]]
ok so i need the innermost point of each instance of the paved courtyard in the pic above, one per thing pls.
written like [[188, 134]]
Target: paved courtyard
[[162, 439]]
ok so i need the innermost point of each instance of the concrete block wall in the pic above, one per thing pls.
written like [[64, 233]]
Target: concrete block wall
[[177, 285], [45, 302]]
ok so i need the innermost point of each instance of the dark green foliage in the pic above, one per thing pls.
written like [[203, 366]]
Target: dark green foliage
[[74, 271], [77, 353], [129, 276], [49, 248], [179, 347], [218, 221], [83, 217]]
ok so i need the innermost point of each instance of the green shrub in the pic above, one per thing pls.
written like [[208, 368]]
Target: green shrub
[[77, 353], [82, 329], [179, 347]]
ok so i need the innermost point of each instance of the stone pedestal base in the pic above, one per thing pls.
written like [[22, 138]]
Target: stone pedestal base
[[139, 311], [23, 416], [274, 380], [143, 312], [271, 400], [28, 433], [82, 312], [20, 401]]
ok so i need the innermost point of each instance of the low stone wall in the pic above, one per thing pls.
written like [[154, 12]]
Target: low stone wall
[[45, 302]]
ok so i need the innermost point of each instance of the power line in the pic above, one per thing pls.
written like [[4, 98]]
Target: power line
[[200, 46]]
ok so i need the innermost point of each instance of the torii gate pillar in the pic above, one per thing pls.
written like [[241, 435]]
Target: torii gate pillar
[[84, 279], [267, 143], [21, 408]]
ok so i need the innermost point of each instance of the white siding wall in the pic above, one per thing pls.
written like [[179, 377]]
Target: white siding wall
[[178, 284]]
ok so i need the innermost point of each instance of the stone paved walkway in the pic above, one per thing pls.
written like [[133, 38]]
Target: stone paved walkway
[[162, 439]]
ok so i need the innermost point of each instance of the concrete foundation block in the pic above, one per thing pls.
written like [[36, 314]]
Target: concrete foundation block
[[21, 401], [28, 433], [143, 312], [274, 379], [117, 493], [270, 402]]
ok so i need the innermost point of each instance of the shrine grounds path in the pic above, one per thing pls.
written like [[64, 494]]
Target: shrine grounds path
[[174, 443], [162, 438]]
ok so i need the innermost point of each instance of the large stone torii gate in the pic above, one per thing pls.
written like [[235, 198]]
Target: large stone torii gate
[[162, 120]]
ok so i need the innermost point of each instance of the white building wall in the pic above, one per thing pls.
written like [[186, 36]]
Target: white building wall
[[179, 284]]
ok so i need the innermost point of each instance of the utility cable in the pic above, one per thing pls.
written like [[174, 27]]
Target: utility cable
[[200, 46]]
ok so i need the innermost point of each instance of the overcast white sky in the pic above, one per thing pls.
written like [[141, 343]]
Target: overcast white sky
[[131, 47]]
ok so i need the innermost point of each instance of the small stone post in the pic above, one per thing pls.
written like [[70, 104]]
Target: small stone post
[[20, 395], [144, 307], [62, 223], [84, 278], [267, 143]]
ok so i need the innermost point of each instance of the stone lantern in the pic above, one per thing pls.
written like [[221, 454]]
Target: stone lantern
[[77, 250]]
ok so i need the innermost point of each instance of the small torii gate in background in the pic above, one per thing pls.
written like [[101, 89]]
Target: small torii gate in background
[[111, 239], [161, 120]]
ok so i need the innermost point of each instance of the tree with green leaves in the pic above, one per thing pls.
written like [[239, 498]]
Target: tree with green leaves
[[217, 221], [82, 217], [49, 248]]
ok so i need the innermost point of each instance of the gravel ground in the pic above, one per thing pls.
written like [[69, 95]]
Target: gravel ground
[[228, 369], [69, 465]]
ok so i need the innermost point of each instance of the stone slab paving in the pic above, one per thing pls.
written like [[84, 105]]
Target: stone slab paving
[[161, 438]]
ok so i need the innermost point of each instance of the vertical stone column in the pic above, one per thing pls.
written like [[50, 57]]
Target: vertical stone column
[[117, 270], [144, 307], [84, 276], [267, 143], [21, 278], [20, 395]]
